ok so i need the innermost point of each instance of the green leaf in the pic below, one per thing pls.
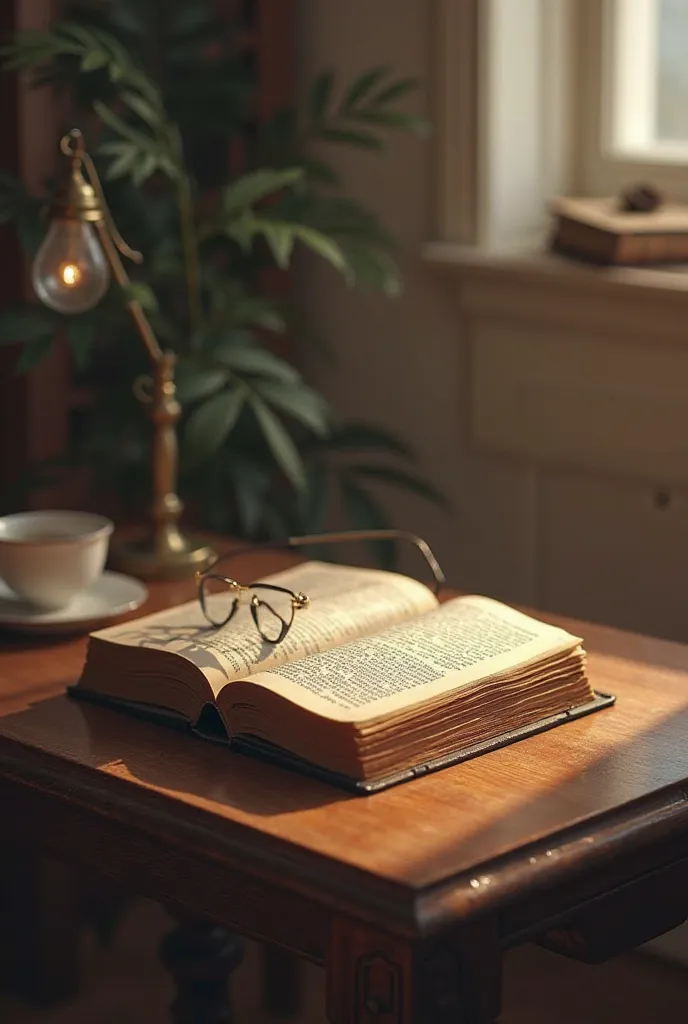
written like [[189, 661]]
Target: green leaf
[[300, 402], [394, 119], [80, 336], [281, 239], [33, 352], [366, 513], [279, 442], [281, 236], [210, 425], [144, 169], [400, 478], [319, 96], [145, 110], [25, 323], [254, 311], [194, 383], [362, 437], [349, 137], [79, 32], [141, 292], [129, 153], [372, 268], [93, 60], [258, 361], [361, 88], [256, 185], [320, 172], [395, 91], [323, 246], [112, 120], [243, 230]]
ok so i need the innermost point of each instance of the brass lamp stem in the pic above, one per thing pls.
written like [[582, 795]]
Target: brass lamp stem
[[165, 553]]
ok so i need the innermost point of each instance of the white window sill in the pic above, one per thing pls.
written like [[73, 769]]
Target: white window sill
[[536, 265]]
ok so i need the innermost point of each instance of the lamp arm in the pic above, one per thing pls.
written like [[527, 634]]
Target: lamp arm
[[81, 154], [158, 393], [133, 305]]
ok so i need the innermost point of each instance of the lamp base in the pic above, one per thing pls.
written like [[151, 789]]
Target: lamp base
[[150, 561]]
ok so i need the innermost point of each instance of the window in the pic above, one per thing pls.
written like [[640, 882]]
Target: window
[[632, 90], [671, 121], [646, 47], [538, 98]]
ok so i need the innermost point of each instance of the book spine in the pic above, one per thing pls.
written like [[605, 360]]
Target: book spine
[[632, 250], [574, 238]]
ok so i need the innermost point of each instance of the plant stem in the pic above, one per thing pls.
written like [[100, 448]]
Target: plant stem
[[191, 259]]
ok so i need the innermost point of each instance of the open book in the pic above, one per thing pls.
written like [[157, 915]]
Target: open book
[[375, 682]]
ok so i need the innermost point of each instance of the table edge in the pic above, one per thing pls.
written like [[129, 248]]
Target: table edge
[[560, 857]]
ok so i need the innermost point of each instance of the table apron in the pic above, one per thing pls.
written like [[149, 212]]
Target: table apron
[[144, 864]]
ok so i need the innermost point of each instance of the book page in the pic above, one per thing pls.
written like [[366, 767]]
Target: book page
[[345, 603], [461, 642]]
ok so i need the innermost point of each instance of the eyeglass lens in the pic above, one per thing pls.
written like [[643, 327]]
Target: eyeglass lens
[[273, 612], [219, 600], [272, 609]]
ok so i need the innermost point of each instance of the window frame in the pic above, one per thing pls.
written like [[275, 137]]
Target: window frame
[[503, 75], [604, 166]]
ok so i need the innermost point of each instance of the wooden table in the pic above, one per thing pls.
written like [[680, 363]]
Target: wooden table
[[577, 837]]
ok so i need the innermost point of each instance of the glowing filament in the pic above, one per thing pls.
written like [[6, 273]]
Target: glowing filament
[[71, 275]]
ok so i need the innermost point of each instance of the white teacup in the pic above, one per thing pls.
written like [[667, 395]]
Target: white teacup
[[47, 558]]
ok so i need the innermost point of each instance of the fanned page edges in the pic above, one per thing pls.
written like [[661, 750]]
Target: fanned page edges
[[534, 671]]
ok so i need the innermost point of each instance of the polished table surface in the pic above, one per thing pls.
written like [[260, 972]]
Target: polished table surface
[[493, 850]]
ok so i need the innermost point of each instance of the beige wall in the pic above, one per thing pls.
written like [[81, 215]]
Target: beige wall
[[588, 543], [401, 363]]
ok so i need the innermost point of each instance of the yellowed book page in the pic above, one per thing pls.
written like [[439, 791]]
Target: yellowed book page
[[462, 642], [345, 603]]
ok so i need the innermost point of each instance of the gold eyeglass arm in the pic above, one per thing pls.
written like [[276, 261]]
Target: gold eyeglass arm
[[344, 536]]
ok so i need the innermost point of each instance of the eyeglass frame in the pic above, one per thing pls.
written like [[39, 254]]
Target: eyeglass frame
[[299, 600]]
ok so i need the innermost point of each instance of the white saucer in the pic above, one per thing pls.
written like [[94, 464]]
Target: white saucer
[[113, 595]]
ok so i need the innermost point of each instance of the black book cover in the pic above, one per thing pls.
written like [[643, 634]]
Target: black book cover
[[210, 727]]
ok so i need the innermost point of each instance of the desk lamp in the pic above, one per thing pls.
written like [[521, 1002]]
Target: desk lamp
[[71, 274]]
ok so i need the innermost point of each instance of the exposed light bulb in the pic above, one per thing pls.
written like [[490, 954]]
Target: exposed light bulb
[[71, 273]]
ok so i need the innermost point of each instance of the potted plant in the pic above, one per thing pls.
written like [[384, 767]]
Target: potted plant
[[160, 101]]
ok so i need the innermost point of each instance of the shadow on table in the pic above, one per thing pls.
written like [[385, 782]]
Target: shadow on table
[[207, 775]]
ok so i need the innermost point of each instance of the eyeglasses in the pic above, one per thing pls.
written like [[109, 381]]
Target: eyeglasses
[[273, 608]]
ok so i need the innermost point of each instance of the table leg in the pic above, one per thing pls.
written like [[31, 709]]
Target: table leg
[[280, 982], [39, 927], [377, 978], [201, 956]]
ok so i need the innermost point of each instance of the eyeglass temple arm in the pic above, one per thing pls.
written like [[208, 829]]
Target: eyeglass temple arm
[[350, 535]]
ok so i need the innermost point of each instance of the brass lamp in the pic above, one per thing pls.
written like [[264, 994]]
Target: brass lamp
[[71, 274]]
